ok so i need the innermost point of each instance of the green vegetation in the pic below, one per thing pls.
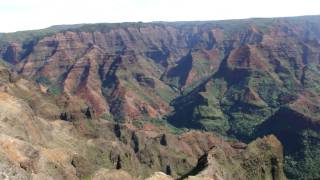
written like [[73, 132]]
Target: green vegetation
[[33, 35], [26, 36], [54, 90], [53, 87], [159, 123], [5, 64], [233, 100], [175, 130], [107, 117], [305, 162], [86, 178], [43, 80], [107, 27]]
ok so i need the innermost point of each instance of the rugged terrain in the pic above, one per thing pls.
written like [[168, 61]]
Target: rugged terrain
[[239, 78], [39, 140]]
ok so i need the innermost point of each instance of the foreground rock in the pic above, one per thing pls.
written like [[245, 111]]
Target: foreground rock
[[105, 174], [159, 176], [262, 159]]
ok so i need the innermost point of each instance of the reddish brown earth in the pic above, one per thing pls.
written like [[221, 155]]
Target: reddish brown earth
[[36, 144], [240, 78], [109, 66]]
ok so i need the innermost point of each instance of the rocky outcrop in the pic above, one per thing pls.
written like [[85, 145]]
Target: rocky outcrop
[[32, 147], [105, 174], [109, 65], [299, 133], [262, 159], [159, 176], [234, 78]]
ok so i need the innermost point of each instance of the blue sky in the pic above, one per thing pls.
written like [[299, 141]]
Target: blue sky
[[19, 15]]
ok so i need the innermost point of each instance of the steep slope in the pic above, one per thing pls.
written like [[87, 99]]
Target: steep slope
[[254, 79], [42, 141], [253, 85], [229, 77], [297, 126], [262, 159]]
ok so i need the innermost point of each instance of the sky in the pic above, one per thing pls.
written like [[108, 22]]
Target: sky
[[17, 15]]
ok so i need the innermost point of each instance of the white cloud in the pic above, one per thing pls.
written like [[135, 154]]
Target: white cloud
[[32, 14]]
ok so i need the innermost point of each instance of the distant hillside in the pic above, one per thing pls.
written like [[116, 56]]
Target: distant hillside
[[238, 78]]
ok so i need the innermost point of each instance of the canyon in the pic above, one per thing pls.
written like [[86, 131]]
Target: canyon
[[233, 99]]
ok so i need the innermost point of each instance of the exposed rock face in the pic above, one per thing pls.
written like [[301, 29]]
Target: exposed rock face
[[299, 133], [262, 159], [234, 78], [105, 174], [159, 176], [6, 75], [37, 146], [110, 65]]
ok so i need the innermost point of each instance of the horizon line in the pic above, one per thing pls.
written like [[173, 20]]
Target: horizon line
[[158, 21]]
